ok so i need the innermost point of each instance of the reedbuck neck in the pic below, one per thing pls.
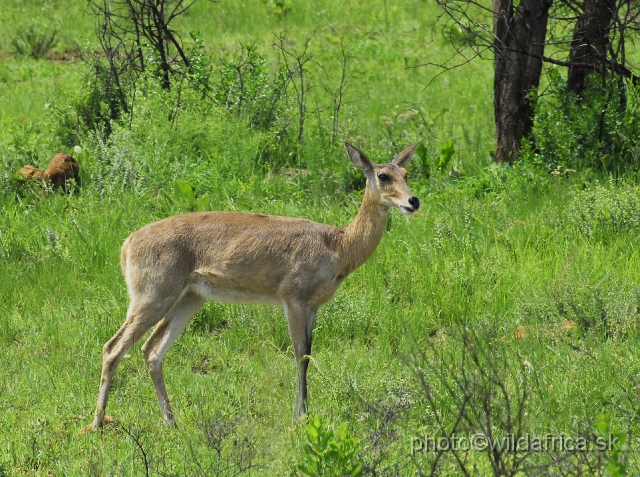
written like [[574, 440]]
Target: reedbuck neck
[[173, 265], [362, 236]]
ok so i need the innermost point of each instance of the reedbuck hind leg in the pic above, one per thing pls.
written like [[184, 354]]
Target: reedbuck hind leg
[[156, 347], [300, 319], [141, 316]]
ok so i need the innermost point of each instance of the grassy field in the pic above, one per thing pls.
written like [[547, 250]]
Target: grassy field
[[511, 299]]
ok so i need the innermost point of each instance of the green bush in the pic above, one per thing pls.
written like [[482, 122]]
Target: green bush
[[35, 42], [201, 145], [598, 131], [256, 93], [95, 108], [200, 71], [603, 212], [248, 88], [330, 450]]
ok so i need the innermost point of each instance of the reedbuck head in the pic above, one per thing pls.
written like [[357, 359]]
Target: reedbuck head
[[387, 182]]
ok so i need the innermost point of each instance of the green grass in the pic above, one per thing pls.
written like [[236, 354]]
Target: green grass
[[491, 251]]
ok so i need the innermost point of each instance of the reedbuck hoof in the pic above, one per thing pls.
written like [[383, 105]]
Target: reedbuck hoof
[[170, 423], [300, 418], [300, 412], [97, 424]]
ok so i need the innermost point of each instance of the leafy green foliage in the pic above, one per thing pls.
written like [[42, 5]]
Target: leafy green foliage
[[278, 7], [330, 451], [603, 211], [613, 436], [94, 108], [35, 42], [446, 153], [249, 89], [200, 71], [183, 199], [598, 131]]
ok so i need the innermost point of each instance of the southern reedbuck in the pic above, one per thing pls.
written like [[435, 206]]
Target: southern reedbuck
[[173, 265]]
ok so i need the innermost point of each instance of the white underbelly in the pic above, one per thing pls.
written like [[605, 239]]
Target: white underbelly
[[233, 296]]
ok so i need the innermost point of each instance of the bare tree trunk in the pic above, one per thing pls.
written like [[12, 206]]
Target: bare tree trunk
[[590, 43], [519, 41]]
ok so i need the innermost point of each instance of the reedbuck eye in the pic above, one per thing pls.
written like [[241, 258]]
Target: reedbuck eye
[[384, 177]]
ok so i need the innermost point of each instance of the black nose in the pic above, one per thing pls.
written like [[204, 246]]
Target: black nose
[[414, 202]]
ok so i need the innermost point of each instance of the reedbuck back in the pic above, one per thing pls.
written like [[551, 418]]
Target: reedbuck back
[[172, 266]]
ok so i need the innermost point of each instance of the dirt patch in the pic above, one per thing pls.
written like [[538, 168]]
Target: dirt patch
[[67, 56]]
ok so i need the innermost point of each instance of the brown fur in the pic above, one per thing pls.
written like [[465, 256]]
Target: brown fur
[[61, 169], [31, 172], [173, 265], [58, 173]]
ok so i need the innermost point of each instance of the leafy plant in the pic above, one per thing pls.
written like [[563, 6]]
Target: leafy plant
[[249, 89], [603, 212], [182, 197], [597, 131], [330, 451], [200, 71], [446, 153], [34, 42], [441, 164], [94, 108], [278, 7], [611, 433]]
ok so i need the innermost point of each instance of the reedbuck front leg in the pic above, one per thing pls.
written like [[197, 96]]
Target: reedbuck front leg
[[300, 319]]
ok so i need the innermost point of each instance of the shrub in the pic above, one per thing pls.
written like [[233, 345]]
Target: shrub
[[602, 212], [247, 88], [330, 450], [95, 107], [253, 91], [35, 42], [597, 131], [200, 71]]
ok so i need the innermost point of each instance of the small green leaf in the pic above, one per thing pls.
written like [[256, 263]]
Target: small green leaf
[[447, 152], [312, 432], [30, 197], [165, 201], [306, 470], [185, 192], [203, 203]]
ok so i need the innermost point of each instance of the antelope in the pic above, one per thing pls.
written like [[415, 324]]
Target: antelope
[[173, 265]]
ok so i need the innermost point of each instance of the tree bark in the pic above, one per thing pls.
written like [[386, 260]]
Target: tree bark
[[590, 42], [519, 41]]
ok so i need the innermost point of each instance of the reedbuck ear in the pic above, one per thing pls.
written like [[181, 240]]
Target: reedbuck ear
[[404, 157], [359, 159]]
